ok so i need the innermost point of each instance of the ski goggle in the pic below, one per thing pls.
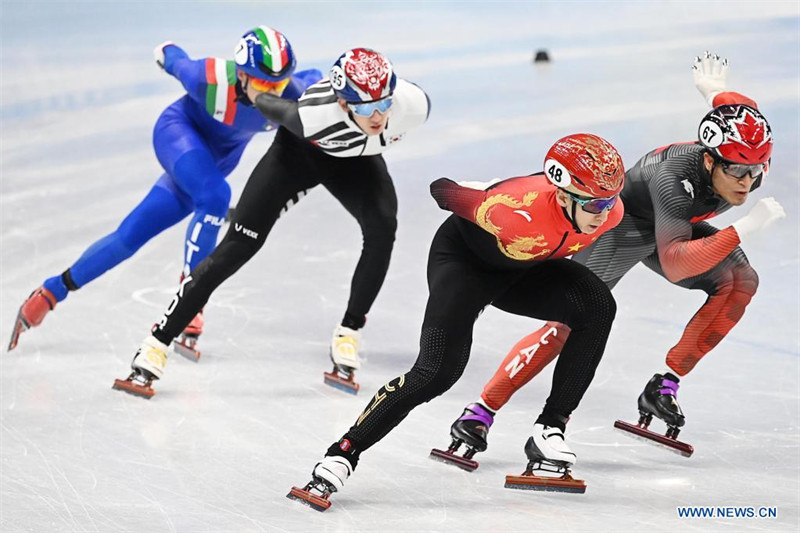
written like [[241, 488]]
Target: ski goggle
[[738, 171], [594, 206], [267, 86], [366, 109]]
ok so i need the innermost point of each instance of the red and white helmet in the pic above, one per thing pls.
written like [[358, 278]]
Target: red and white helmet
[[362, 75], [586, 165], [737, 134]]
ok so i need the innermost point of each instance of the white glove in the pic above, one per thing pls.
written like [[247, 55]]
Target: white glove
[[763, 214], [158, 53], [710, 74]]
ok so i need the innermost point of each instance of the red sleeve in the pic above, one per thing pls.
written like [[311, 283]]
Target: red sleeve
[[681, 257], [685, 259], [732, 98], [460, 200]]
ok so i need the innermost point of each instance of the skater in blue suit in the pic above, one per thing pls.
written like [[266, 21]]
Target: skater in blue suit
[[198, 140]]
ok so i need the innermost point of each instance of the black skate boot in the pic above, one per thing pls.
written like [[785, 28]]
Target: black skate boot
[[659, 398], [471, 428]]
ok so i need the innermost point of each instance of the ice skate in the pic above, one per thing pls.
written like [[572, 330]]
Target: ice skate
[[547, 454], [344, 354], [148, 365], [472, 429], [328, 477], [659, 399], [31, 313], [186, 343]]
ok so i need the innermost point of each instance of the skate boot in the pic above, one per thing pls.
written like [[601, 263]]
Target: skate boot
[[659, 399], [471, 428], [186, 343], [148, 365], [547, 453], [328, 477], [31, 313], [344, 354]]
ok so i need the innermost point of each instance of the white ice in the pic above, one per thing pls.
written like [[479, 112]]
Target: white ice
[[223, 440]]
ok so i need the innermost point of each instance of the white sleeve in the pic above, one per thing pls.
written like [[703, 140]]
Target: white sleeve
[[411, 105], [478, 185]]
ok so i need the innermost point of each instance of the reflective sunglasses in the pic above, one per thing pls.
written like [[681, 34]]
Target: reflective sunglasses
[[366, 109], [267, 86], [594, 206], [739, 171]]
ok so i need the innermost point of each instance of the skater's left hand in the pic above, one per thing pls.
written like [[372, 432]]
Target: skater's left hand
[[160, 56], [710, 75]]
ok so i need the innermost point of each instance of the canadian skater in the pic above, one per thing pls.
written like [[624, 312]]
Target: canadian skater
[[669, 194]]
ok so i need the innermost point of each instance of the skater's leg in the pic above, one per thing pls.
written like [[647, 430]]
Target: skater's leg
[[365, 189], [524, 362], [458, 292], [730, 287], [159, 210], [197, 174], [566, 292], [610, 257], [279, 180]]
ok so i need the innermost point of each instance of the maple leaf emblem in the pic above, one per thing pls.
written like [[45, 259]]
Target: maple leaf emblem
[[750, 130]]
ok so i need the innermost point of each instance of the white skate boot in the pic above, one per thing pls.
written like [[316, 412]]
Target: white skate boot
[[344, 348], [547, 445], [344, 354], [547, 453], [328, 477], [148, 364]]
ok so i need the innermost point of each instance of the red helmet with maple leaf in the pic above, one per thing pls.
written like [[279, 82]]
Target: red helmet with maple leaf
[[737, 134]]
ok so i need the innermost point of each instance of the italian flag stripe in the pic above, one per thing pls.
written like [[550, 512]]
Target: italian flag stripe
[[266, 45], [211, 90], [221, 104], [230, 111]]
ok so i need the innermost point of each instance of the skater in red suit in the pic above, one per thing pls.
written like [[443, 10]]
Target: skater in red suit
[[668, 195], [504, 246]]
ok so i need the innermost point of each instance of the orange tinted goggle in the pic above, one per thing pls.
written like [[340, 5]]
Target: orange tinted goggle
[[267, 86]]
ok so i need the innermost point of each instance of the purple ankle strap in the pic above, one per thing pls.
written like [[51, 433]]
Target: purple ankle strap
[[479, 414], [670, 387]]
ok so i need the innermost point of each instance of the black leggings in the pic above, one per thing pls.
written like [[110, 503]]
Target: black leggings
[[461, 285], [287, 171]]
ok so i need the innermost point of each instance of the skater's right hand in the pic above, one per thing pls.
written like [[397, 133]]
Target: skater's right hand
[[762, 215], [710, 74], [160, 56]]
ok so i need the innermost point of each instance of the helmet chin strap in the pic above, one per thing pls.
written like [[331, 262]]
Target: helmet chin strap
[[572, 218]]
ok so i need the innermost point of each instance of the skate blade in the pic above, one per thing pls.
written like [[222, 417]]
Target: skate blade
[[131, 387], [565, 483], [185, 346], [318, 503], [343, 384], [19, 327], [451, 458], [652, 437]]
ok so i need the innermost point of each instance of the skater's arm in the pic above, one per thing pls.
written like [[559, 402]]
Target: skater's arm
[[300, 82], [191, 73], [680, 256], [280, 111], [463, 201], [710, 72]]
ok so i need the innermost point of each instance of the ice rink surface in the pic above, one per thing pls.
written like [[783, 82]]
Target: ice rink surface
[[223, 440]]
